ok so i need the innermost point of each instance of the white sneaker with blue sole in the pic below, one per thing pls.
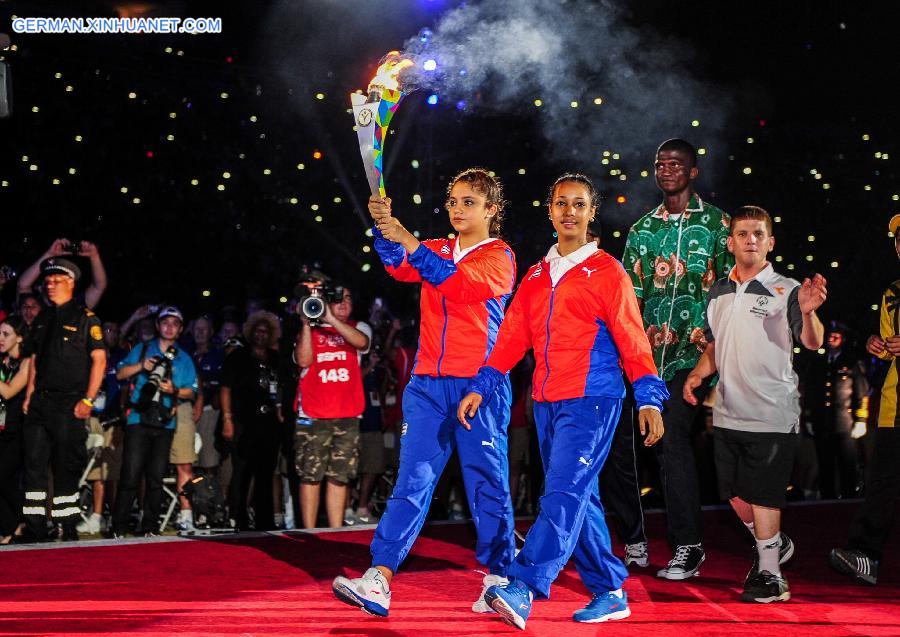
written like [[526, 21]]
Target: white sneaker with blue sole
[[371, 592]]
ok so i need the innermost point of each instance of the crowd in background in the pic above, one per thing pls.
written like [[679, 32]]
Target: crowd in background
[[257, 446]]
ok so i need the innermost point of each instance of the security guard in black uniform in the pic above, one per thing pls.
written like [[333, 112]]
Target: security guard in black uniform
[[67, 370]]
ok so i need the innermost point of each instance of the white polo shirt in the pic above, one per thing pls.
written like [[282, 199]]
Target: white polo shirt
[[754, 325]]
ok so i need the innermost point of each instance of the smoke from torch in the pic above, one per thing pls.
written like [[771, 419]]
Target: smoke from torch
[[373, 113]]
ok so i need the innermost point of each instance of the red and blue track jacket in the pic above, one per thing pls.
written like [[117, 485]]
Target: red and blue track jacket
[[584, 331], [462, 304]]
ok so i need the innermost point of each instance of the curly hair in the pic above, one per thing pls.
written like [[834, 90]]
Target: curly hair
[[269, 319]]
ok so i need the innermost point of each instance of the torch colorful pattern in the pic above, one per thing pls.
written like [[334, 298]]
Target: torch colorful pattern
[[373, 115]]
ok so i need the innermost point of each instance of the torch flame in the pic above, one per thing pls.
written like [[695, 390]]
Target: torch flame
[[387, 77]]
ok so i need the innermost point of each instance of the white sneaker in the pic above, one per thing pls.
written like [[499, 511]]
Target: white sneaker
[[91, 525], [185, 520], [349, 517], [364, 516], [637, 554], [481, 606], [371, 592]]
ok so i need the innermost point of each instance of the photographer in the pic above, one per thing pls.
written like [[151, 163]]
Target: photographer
[[63, 247], [331, 394], [162, 375]]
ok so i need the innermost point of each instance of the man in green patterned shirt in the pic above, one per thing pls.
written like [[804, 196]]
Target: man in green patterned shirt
[[673, 255]]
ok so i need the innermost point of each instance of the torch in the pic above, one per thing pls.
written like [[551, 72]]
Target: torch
[[373, 113]]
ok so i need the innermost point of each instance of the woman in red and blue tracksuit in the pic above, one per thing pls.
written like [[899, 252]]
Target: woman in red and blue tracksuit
[[466, 282], [577, 309]]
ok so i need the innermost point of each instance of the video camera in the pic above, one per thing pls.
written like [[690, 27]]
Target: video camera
[[314, 291]]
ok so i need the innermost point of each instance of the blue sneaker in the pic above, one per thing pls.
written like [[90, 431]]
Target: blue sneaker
[[604, 607], [371, 592], [512, 601]]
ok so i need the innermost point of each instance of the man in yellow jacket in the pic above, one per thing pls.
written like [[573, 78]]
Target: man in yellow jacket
[[873, 522]]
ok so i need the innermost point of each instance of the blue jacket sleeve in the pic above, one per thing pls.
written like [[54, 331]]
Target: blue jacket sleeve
[[390, 253], [650, 391], [431, 266], [486, 382]]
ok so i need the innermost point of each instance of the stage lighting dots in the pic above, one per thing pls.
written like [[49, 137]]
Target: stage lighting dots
[[317, 154], [617, 233], [149, 154], [811, 238], [826, 186], [168, 49], [124, 190], [417, 198], [701, 151], [223, 95], [267, 171], [69, 88], [132, 95], [834, 264], [207, 293], [301, 166], [195, 182], [521, 171], [366, 249], [55, 181], [229, 59], [461, 105], [796, 350], [623, 177], [573, 104], [867, 187], [57, 75], [877, 155], [615, 156], [777, 219], [865, 137], [294, 201], [24, 157], [818, 176], [319, 218], [695, 123], [314, 207], [429, 65], [33, 167], [337, 200], [749, 140], [320, 96], [368, 232], [604, 161], [606, 153], [874, 307], [779, 258], [220, 187], [790, 266], [366, 267], [895, 198], [4, 183], [173, 115], [644, 173], [282, 299], [414, 163], [415, 234], [747, 170], [170, 138], [809, 257], [432, 99], [598, 101], [536, 203], [72, 171], [820, 351], [35, 109], [451, 235], [621, 199], [226, 175], [253, 118], [136, 201], [538, 103]]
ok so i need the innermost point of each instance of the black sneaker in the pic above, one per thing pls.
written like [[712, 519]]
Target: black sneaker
[[856, 564], [685, 563], [765, 587], [785, 553], [69, 533]]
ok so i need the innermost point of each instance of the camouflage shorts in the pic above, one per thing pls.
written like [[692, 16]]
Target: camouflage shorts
[[328, 448]]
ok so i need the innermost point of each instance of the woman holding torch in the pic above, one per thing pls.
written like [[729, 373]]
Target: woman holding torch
[[577, 310], [466, 282]]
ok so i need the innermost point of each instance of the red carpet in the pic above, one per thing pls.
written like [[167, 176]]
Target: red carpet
[[280, 585]]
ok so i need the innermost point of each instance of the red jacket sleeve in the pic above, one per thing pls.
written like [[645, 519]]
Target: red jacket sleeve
[[404, 272], [626, 325], [515, 337]]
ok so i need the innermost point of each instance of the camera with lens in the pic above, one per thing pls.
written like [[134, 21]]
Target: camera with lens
[[150, 394], [314, 291], [73, 246]]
